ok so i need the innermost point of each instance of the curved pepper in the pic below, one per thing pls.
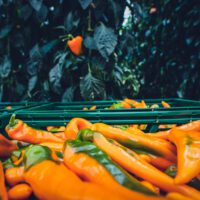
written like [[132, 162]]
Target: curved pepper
[[51, 180], [134, 164], [75, 45], [6, 147], [3, 192], [14, 175], [21, 191], [141, 142], [74, 126], [18, 130], [130, 101], [165, 104], [188, 150], [89, 162], [192, 126]]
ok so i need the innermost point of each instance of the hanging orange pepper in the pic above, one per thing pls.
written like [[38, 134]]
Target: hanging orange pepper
[[75, 45], [134, 164], [3, 192], [74, 126], [21, 191], [188, 150], [165, 104], [14, 175], [142, 142], [18, 130], [6, 147]]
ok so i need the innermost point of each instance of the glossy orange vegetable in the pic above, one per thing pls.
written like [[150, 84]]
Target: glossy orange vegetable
[[188, 150], [160, 162], [134, 164], [75, 45], [165, 104], [21, 158], [134, 130], [125, 104], [6, 147], [93, 107], [56, 129], [93, 165], [53, 145], [151, 186], [192, 126], [74, 126], [3, 192], [68, 185], [177, 196], [19, 192], [14, 175], [18, 130], [60, 135], [157, 146], [131, 102]]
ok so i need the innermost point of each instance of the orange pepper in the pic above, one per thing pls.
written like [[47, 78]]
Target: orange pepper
[[60, 135], [134, 164], [134, 130], [21, 191], [125, 104], [192, 126], [151, 186], [75, 45], [177, 196], [14, 175], [165, 104], [155, 145], [130, 101], [188, 150], [63, 184], [74, 126], [6, 147], [3, 192], [93, 107], [53, 146], [18, 130]]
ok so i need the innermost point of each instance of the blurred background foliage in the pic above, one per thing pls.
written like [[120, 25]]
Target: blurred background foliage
[[142, 49]]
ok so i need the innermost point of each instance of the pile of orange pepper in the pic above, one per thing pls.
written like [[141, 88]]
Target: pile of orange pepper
[[99, 161]]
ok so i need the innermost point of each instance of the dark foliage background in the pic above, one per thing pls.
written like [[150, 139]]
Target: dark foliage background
[[155, 53]]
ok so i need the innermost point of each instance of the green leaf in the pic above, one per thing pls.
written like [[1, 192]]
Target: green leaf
[[105, 39], [32, 83], [5, 67], [92, 88], [85, 3], [68, 94], [48, 47], [36, 4], [4, 31], [89, 43]]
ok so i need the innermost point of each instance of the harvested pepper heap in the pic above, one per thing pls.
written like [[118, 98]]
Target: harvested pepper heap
[[98, 161]]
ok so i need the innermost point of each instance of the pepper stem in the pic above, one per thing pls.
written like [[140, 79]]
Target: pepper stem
[[12, 121]]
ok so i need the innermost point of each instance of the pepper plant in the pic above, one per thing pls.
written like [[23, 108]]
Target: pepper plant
[[153, 53]]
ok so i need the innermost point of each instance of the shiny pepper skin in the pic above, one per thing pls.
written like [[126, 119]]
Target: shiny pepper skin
[[75, 45]]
